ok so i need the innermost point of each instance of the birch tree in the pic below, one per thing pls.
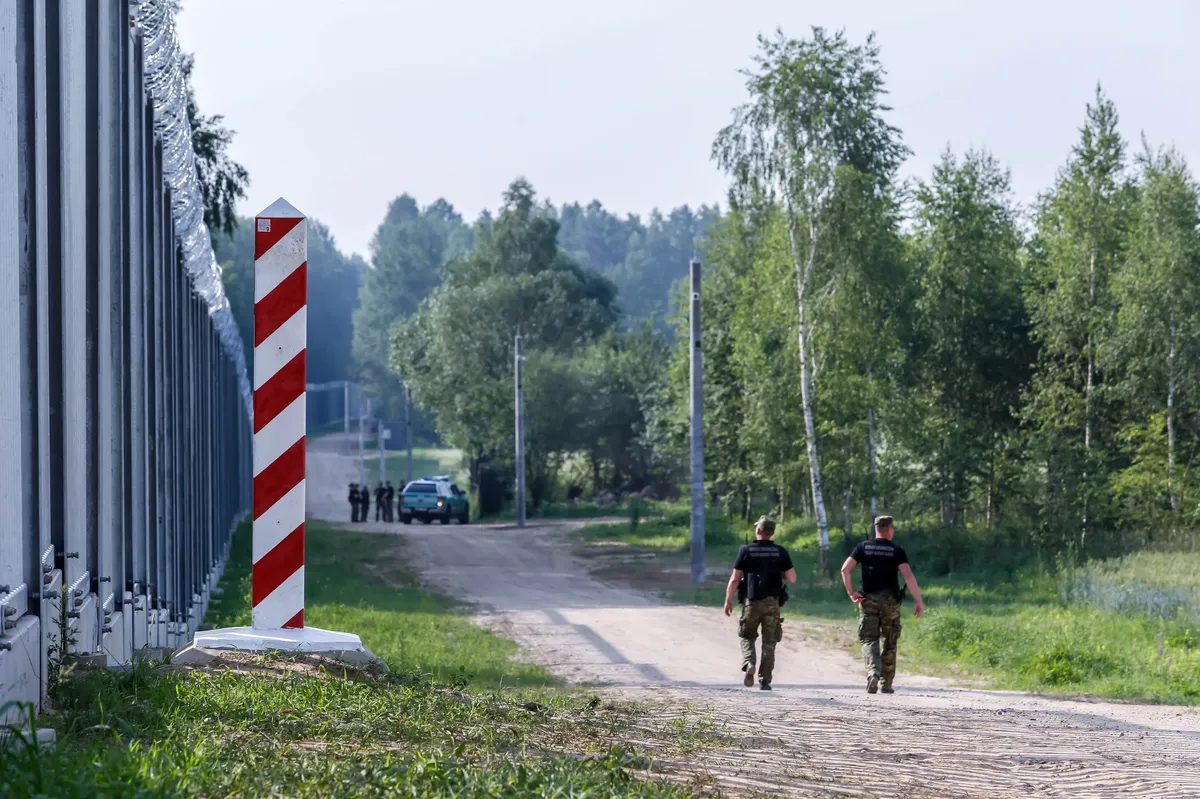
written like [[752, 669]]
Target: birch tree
[[859, 306], [970, 350], [1081, 228], [815, 104], [1157, 344]]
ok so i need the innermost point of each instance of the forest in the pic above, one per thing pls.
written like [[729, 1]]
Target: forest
[[925, 346]]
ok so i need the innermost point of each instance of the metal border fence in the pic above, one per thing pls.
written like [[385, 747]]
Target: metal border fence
[[124, 425]]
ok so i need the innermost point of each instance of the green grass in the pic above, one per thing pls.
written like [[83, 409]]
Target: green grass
[[560, 510], [426, 463], [992, 614], [436, 726], [357, 582]]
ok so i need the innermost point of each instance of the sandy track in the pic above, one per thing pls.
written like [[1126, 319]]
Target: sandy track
[[818, 733]]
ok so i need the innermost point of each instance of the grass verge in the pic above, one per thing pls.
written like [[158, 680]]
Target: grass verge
[[438, 725], [1127, 629], [426, 463], [358, 582]]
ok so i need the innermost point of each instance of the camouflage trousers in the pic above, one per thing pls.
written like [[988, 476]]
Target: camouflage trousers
[[762, 613], [879, 617]]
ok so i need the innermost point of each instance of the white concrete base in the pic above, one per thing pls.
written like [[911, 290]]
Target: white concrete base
[[304, 639]]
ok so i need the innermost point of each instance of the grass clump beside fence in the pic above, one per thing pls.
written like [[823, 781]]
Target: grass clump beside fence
[[358, 582], [438, 725], [153, 732], [1124, 629]]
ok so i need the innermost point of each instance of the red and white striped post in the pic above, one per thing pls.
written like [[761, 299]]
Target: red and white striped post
[[280, 341]]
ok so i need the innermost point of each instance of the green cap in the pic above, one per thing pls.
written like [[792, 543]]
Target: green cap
[[883, 521], [765, 522]]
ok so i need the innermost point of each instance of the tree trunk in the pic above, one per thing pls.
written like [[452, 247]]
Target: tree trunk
[[803, 272], [595, 473], [991, 481], [1171, 416], [958, 485], [947, 512], [849, 517], [1087, 399], [1091, 356], [871, 441]]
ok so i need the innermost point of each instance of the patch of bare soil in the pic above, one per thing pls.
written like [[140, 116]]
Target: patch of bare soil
[[282, 665]]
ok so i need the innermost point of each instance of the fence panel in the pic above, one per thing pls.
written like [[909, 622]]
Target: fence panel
[[124, 417]]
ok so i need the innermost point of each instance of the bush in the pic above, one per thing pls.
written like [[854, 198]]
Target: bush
[[1069, 664]]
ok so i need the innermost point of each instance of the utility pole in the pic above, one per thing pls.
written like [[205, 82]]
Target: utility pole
[[346, 412], [382, 459], [408, 427], [520, 409], [697, 403], [362, 443]]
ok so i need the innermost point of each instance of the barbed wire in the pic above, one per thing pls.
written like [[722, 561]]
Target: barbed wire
[[163, 70]]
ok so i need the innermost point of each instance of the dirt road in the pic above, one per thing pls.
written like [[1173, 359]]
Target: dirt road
[[819, 733]]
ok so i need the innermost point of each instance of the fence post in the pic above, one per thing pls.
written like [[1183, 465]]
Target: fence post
[[19, 631], [138, 355], [108, 218], [48, 212]]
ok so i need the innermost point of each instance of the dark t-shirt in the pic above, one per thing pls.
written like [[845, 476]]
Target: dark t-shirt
[[763, 563], [880, 561]]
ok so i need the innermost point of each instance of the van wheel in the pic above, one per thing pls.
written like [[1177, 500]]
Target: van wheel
[[406, 518]]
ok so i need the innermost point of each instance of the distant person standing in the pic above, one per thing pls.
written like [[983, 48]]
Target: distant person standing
[[354, 505], [765, 566], [879, 601], [380, 492], [389, 496], [364, 502]]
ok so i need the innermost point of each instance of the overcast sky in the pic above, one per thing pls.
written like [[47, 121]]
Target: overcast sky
[[341, 106]]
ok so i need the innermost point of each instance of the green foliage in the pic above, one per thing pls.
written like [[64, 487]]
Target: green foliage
[[586, 386], [968, 345], [408, 252], [333, 283], [1082, 225], [802, 153], [1057, 648], [645, 260], [957, 369], [223, 181], [426, 462]]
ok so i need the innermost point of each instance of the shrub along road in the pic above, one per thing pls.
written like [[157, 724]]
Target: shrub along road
[[819, 731]]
